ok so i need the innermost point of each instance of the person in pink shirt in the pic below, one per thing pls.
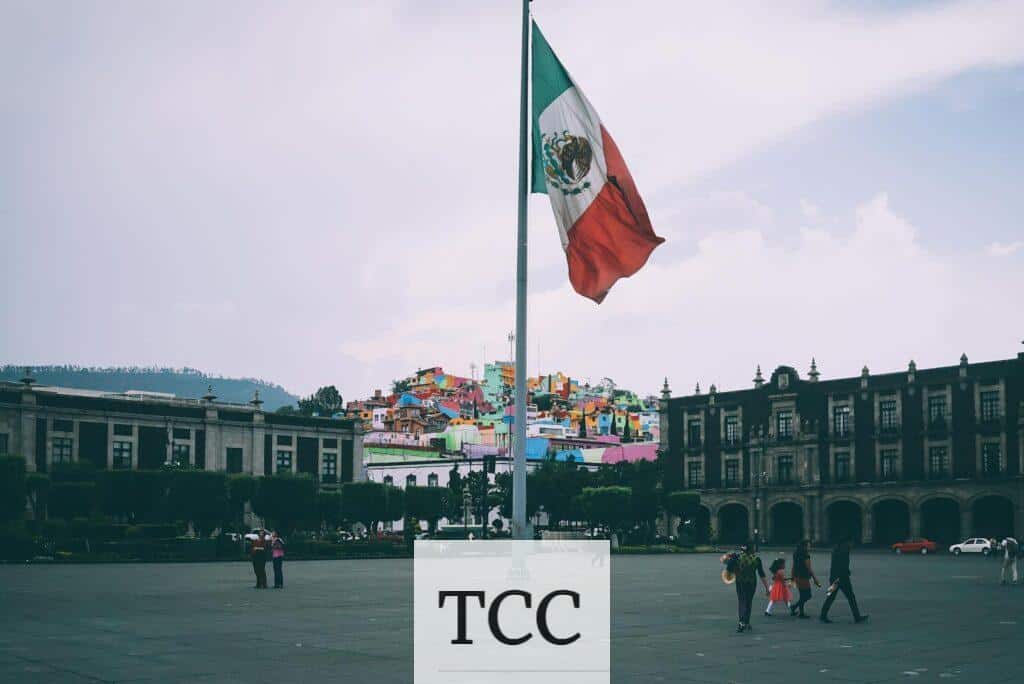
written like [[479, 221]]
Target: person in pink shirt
[[277, 556]]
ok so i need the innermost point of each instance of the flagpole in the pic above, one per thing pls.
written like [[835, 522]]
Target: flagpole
[[519, 528]]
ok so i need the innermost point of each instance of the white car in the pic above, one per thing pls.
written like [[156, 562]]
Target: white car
[[255, 534], [972, 545]]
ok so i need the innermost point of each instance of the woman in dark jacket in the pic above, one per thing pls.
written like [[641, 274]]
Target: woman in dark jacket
[[802, 576], [746, 566]]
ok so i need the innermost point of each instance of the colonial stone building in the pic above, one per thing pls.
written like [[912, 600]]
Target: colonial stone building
[[933, 452], [144, 430]]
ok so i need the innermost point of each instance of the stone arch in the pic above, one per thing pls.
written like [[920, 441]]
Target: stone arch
[[940, 518], [993, 515], [733, 523], [890, 517], [845, 520], [787, 522]]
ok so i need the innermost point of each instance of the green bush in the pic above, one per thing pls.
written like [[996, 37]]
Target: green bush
[[12, 488], [147, 531], [72, 499], [17, 544]]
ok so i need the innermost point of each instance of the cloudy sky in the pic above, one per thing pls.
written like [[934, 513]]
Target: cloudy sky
[[319, 193]]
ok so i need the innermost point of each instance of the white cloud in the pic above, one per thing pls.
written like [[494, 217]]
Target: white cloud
[[809, 210], [871, 294], [339, 177], [1000, 249]]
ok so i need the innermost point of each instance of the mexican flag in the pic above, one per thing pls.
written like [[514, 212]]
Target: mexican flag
[[602, 222]]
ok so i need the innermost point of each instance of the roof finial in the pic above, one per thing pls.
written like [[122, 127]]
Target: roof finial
[[209, 396], [256, 401], [813, 375], [666, 393], [696, 390], [758, 378], [28, 380]]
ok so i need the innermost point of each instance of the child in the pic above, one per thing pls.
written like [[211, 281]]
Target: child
[[780, 589]]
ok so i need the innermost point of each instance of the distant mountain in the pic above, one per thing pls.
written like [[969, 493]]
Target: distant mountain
[[182, 382]]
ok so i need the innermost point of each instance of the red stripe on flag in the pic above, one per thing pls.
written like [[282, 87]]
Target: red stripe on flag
[[613, 238]]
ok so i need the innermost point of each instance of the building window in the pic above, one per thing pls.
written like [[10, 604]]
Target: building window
[[388, 480], [784, 424], [888, 464], [284, 461], [783, 380], [122, 455], [843, 473], [121, 430], [234, 459], [990, 405], [284, 440], [61, 425], [62, 447], [330, 466], [330, 444], [732, 429], [840, 421], [410, 480], [694, 434], [938, 461], [3, 443], [887, 415], [432, 480], [785, 467], [937, 409], [696, 474], [180, 455], [182, 433], [732, 472], [990, 461]]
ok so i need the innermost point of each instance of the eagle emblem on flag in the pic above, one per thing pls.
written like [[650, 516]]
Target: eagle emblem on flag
[[567, 160]]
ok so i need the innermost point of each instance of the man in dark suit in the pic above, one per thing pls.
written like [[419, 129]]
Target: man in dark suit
[[839, 579]]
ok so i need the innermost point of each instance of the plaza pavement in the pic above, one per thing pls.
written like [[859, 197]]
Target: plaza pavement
[[932, 618]]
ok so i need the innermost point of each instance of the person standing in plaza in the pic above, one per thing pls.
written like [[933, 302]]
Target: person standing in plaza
[[803, 573], [258, 553], [1011, 551], [746, 567], [277, 557], [839, 578], [780, 590]]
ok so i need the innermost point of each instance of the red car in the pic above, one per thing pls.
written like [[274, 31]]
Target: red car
[[921, 546]]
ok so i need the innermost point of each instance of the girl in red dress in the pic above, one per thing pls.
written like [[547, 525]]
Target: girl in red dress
[[780, 588]]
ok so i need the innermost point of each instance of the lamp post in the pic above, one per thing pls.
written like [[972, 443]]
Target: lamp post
[[759, 479]]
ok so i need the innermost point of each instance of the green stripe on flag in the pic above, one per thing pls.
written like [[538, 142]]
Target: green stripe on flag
[[549, 80]]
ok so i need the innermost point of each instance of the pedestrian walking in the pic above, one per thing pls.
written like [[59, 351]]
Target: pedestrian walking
[[258, 553], [277, 556], [1011, 550], [746, 567], [780, 587], [803, 573], [839, 579]]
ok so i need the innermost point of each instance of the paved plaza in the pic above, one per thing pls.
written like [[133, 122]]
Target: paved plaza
[[351, 621]]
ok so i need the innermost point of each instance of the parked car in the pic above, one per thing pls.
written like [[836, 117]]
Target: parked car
[[921, 546], [972, 545], [255, 534]]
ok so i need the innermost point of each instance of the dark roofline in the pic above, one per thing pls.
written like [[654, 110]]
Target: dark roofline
[[882, 381]]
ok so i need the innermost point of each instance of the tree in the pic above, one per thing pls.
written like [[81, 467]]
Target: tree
[[286, 501], [38, 488], [394, 503], [150, 496], [583, 424], [13, 491], [425, 503], [328, 505], [326, 401], [627, 432], [503, 494], [116, 493], [72, 499], [453, 495], [241, 490], [614, 429], [400, 386], [607, 506], [364, 502], [557, 485], [199, 497], [684, 505]]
